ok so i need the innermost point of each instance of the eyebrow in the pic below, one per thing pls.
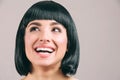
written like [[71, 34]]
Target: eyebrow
[[34, 23], [38, 24], [55, 23]]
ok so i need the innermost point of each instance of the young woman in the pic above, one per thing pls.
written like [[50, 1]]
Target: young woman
[[47, 45]]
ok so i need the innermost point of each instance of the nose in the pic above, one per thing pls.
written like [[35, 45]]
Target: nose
[[44, 38]]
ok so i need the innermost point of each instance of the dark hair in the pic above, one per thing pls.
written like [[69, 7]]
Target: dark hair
[[48, 10]]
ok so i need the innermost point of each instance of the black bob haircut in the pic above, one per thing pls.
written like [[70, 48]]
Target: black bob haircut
[[48, 10]]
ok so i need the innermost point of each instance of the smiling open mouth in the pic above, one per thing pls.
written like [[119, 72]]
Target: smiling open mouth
[[44, 50]]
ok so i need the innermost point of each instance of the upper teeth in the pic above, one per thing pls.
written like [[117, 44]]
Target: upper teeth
[[44, 49]]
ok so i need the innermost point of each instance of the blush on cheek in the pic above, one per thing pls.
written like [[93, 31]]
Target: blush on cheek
[[62, 42], [61, 39], [27, 40], [30, 38]]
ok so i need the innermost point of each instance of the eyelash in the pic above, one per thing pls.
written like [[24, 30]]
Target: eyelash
[[55, 28], [34, 29]]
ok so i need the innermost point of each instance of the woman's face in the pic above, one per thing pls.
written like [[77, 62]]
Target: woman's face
[[45, 42]]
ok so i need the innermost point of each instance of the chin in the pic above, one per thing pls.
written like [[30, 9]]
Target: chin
[[46, 64]]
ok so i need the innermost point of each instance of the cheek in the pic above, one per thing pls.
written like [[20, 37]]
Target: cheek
[[29, 40], [62, 42], [62, 46]]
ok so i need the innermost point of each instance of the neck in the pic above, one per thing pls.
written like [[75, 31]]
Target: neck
[[46, 73]]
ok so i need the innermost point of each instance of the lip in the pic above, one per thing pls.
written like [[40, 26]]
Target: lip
[[44, 55], [45, 47]]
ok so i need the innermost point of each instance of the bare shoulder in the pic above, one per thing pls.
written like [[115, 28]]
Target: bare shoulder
[[24, 78], [75, 79], [72, 78]]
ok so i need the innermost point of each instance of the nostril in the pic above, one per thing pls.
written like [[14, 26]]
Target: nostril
[[47, 40], [44, 41], [41, 40]]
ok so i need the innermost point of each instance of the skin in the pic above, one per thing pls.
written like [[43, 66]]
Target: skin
[[45, 34]]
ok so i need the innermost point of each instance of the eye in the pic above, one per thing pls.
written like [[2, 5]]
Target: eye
[[34, 29], [56, 29]]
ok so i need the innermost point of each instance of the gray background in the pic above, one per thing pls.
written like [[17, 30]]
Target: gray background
[[98, 25]]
